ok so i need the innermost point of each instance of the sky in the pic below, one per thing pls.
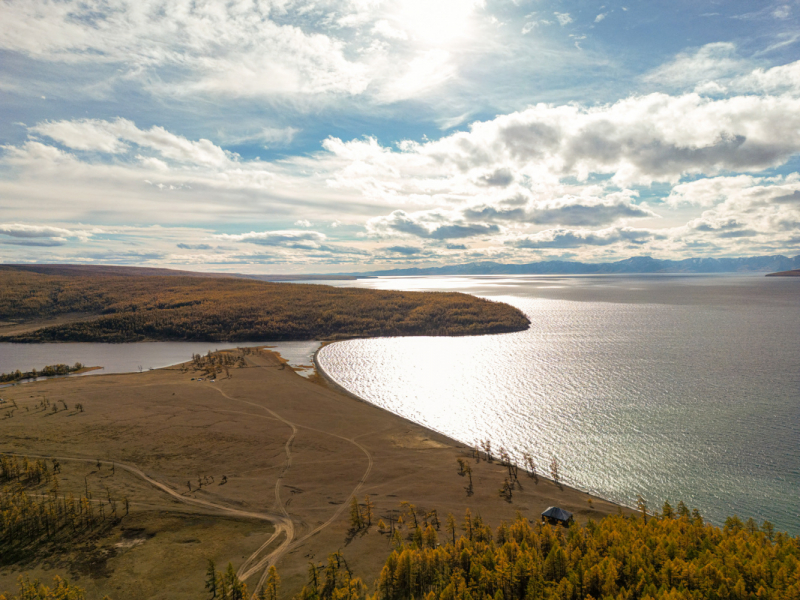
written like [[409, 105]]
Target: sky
[[320, 136]]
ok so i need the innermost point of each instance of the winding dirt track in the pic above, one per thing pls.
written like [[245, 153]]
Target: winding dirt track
[[279, 516], [247, 568]]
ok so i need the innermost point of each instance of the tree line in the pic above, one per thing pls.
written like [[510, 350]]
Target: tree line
[[29, 518], [48, 371], [672, 555], [33, 590]]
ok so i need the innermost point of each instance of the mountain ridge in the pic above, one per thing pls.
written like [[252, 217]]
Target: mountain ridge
[[637, 264]]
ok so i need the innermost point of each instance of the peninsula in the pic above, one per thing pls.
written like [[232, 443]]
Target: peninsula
[[78, 305]]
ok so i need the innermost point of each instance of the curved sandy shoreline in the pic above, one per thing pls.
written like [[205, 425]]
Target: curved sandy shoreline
[[337, 387]]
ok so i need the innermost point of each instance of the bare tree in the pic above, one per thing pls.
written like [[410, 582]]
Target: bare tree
[[554, 470]]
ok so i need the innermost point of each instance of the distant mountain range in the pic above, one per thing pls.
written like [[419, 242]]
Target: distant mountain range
[[639, 264]]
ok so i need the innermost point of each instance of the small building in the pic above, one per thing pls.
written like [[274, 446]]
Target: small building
[[557, 516]]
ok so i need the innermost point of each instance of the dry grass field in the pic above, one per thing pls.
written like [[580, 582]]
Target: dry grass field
[[254, 469]]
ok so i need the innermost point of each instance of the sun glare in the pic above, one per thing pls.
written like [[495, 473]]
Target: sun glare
[[436, 22]]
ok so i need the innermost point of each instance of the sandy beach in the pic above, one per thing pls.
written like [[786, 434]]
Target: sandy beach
[[290, 451]]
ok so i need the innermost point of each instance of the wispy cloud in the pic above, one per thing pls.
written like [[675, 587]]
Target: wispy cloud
[[354, 132]]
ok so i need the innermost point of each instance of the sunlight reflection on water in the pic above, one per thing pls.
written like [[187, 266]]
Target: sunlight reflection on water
[[696, 400]]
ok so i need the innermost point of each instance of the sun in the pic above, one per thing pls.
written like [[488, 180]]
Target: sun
[[436, 22]]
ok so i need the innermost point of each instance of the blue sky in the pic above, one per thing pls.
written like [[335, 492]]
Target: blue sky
[[328, 136]]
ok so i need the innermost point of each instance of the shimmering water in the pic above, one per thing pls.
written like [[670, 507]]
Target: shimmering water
[[672, 387]]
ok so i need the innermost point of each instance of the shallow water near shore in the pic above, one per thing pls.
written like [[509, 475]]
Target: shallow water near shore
[[128, 358], [672, 387]]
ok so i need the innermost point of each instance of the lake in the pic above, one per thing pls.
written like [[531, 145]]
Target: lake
[[669, 386], [675, 387], [127, 358]]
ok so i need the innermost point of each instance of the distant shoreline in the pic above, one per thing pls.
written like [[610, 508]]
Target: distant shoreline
[[792, 273]]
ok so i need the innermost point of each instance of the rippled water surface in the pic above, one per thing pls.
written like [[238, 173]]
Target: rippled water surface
[[673, 387]]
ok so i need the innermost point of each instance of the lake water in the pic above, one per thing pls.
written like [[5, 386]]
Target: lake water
[[672, 387], [127, 358]]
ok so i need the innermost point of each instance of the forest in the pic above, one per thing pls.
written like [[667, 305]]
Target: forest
[[672, 555], [31, 520], [137, 308]]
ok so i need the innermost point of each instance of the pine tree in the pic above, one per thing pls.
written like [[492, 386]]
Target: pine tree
[[451, 526], [211, 577], [368, 508], [272, 584], [355, 515]]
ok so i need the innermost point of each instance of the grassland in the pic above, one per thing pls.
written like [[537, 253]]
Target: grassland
[[45, 307], [293, 453]]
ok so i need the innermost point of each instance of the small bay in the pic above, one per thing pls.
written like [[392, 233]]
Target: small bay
[[128, 358]]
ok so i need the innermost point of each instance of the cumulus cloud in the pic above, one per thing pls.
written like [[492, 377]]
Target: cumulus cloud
[[20, 234], [779, 79], [587, 211], [548, 177], [567, 210], [639, 140], [18, 230], [291, 238], [501, 177], [405, 250], [431, 225], [576, 238]]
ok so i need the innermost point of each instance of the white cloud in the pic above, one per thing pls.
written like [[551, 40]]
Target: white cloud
[[290, 238], [111, 137], [639, 140], [783, 78], [600, 17], [529, 26], [782, 12], [709, 63], [384, 28], [275, 136], [576, 238], [563, 18], [568, 210], [22, 234], [435, 225], [429, 69], [548, 177], [227, 48]]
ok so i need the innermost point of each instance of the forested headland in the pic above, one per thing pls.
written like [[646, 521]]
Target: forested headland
[[138, 308]]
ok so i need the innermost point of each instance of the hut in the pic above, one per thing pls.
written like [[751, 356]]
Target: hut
[[557, 516]]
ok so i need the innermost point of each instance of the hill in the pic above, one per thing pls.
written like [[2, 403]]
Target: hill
[[40, 307], [119, 271]]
